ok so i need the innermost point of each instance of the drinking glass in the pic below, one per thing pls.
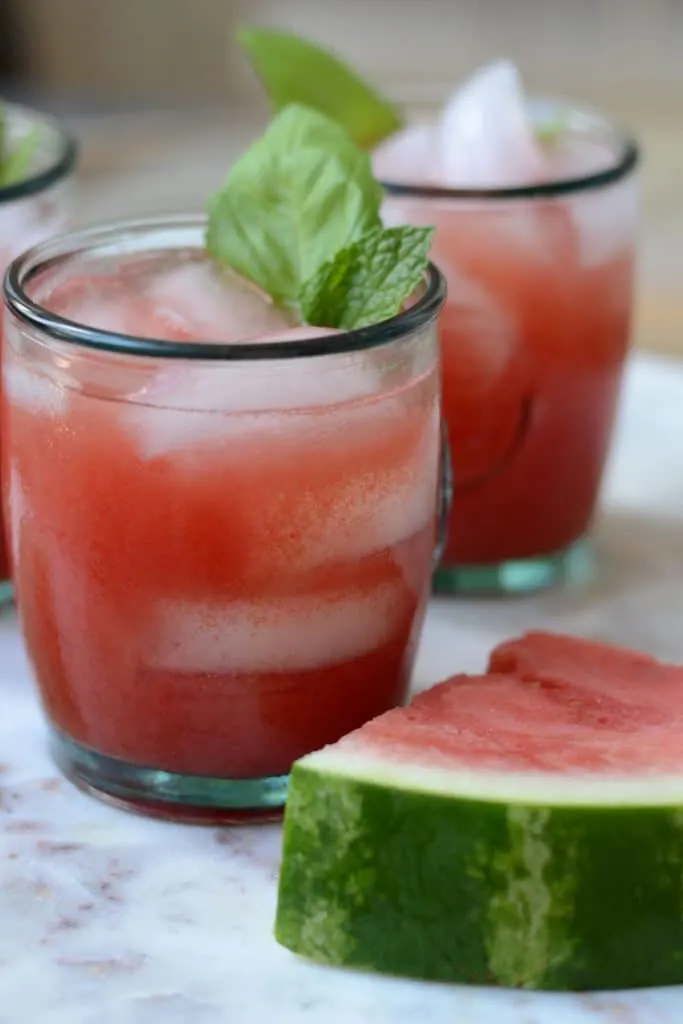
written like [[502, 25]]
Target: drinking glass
[[222, 552], [31, 210], [534, 336]]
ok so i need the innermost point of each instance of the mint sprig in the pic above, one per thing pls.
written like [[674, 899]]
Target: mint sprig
[[369, 280], [299, 216], [295, 71], [15, 162]]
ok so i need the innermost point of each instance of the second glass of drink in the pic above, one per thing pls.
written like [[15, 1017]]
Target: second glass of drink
[[534, 337]]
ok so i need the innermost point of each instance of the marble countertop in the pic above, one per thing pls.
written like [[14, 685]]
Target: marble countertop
[[113, 919]]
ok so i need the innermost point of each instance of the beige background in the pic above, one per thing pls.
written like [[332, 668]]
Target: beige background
[[623, 55], [163, 47]]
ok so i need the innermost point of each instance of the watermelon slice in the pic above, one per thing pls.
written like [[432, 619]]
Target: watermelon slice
[[521, 828]]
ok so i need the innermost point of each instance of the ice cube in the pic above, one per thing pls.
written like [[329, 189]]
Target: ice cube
[[26, 222], [296, 633], [486, 136], [356, 514], [484, 139], [404, 505], [73, 369], [574, 155], [408, 156], [17, 506], [216, 305], [482, 335], [104, 302], [113, 315], [300, 333], [189, 406], [32, 390], [194, 301], [467, 230], [606, 222], [605, 218]]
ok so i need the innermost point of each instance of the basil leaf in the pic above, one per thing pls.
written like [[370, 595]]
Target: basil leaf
[[299, 195], [294, 70]]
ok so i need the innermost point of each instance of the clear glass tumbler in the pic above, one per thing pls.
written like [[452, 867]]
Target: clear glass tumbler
[[534, 336], [222, 552], [31, 210]]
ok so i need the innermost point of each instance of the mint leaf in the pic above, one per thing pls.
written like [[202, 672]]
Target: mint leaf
[[299, 216], [3, 136], [368, 281], [291, 202], [15, 163], [293, 70]]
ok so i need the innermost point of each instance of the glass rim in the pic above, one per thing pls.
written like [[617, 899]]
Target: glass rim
[[625, 160], [43, 256], [62, 165]]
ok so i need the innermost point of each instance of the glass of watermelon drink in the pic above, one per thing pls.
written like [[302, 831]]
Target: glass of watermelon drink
[[36, 162], [222, 550], [534, 204], [534, 336]]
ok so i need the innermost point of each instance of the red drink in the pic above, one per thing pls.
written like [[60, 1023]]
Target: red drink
[[221, 563], [32, 209], [534, 335]]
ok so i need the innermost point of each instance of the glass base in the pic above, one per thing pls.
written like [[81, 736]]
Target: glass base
[[6, 592], [576, 564], [194, 799]]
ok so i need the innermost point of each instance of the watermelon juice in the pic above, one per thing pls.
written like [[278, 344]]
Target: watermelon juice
[[32, 207], [534, 336], [222, 551]]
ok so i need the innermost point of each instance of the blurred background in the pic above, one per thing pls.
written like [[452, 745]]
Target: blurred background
[[163, 102]]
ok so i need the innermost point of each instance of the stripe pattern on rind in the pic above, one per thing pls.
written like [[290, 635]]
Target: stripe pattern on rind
[[527, 901], [455, 889]]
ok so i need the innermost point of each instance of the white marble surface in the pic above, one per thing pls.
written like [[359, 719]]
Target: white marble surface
[[112, 919]]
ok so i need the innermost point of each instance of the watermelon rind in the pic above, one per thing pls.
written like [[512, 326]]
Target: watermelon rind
[[529, 880]]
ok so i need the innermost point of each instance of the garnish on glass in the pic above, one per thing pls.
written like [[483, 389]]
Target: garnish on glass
[[299, 216], [295, 70], [16, 157]]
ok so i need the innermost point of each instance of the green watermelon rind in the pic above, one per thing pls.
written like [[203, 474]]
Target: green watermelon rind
[[426, 882]]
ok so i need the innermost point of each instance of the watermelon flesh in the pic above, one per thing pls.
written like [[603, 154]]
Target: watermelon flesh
[[522, 828], [571, 705]]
